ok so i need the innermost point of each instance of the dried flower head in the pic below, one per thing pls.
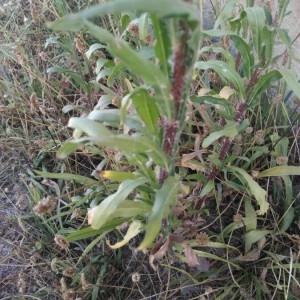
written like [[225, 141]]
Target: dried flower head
[[259, 137], [202, 238], [281, 160], [249, 130], [77, 213], [237, 218], [44, 56], [136, 277], [69, 294], [80, 45], [21, 284], [133, 29], [84, 284], [61, 241], [69, 272], [45, 206]]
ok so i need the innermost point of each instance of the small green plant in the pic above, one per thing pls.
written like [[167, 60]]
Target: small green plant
[[192, 135]]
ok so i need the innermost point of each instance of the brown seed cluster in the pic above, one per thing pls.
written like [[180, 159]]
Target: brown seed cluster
[[61, 241], [45, 206]]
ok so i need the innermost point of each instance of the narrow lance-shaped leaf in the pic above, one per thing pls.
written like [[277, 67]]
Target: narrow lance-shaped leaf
[[134, 229], [228, 131], [68, 176], [162, 45], [257, 20], [146, 69], [226, 72], [99, 215], [163, 9], [130, 145], [147, 110], [280, 171], [164, 199], [256, 190]]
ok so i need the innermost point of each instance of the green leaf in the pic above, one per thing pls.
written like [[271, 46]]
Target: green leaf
[[258, 192], [289, 211], [102, 213], [280, 171], [147, 110], [68, 176], [253, 236], [257, 21], [164, 200], [136, 63], [93, 48], [209, 186], [224, 71], [130, 145], [162, 45], [246, 54], [163, 9], [67, 148], [262, 84], [88, 232], [228, 131], [219, 50], [143, 26], [226, 107], [129, 209], [290, 78], [113, 118], [250, 215], [134, 229]]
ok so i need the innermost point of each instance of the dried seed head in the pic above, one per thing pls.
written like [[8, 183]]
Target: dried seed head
[[77, 213], [136, 277], [69, 272], [255, 173], [237, 218], [21, 284], [33, 11], [44, 56], [80, 45], [99, 54], [202, 238], [45, 206], [225, 41], [249, 130], [69, 295], [33, 103], [84, 284], [61, 241], [133, 29], [281, 160], [259, 137]]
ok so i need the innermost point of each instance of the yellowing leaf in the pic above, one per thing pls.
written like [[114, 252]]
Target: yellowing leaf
[[134, 229], [280, 171], [258, 192]]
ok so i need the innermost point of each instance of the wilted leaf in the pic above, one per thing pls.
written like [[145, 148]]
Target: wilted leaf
[[159, 250], [280, 171], [134, 229], [250, 256], [190, 255], [258, 192]]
